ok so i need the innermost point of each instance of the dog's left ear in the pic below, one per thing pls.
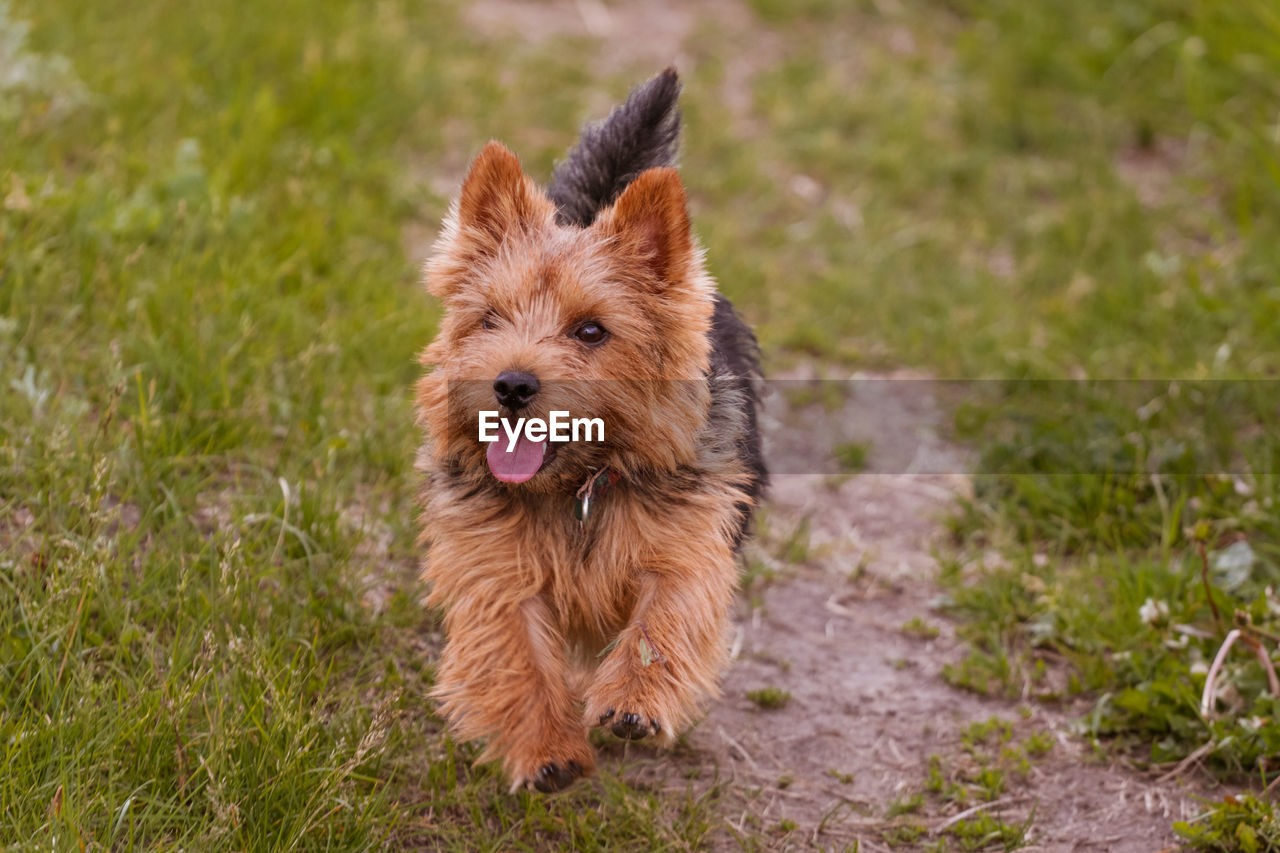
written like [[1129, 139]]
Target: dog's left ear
[[651, 218]]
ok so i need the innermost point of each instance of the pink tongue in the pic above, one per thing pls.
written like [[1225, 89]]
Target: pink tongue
[[518, 465]]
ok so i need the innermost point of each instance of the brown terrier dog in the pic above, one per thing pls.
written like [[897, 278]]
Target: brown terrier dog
[[584, 583]]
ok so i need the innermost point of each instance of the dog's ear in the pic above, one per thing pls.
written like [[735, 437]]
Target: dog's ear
[[497, 196], [497, 199], [651, 219]]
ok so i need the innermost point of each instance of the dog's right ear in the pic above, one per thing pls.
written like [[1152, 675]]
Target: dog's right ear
[[497, 199], [497, 196]]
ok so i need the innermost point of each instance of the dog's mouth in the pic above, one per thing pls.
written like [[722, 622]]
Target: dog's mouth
[[519, 463], [515, 464]]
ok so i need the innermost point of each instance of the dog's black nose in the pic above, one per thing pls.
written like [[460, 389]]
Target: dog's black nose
[[515, 389]]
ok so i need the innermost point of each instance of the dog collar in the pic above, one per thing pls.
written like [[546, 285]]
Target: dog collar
[[592, 490]]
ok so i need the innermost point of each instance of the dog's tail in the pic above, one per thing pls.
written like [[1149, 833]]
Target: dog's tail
[[641, 134]]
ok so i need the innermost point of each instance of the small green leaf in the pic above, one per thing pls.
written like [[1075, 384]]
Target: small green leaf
[[646, 654], [1247, 837]]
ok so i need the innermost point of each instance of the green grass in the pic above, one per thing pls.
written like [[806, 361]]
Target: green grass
[[993, 753], [209, 630], [1053, 198], [851, 456], [920, 629], [770, 698], [1238, 823], [208, 329]]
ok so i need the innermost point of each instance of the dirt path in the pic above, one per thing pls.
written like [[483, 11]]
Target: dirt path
[[869, 706]]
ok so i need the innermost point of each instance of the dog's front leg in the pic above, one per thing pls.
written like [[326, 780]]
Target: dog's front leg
[[670, 654], [502, 676]]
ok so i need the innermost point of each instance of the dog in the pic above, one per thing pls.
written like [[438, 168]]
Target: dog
[[583, 583]]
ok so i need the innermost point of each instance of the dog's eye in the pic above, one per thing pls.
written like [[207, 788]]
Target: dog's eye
[[591, 332], [489, 321]]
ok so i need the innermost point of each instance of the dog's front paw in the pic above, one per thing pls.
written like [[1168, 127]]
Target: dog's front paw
[[634, 706], [630, 725], [553, 776], [548, 770]]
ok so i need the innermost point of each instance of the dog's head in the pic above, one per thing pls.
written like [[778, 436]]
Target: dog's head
[[608, 321]]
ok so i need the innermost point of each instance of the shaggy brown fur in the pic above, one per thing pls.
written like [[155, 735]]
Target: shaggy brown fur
[[556, 625]]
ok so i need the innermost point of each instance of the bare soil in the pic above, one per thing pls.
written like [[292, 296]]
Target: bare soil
[[869, 705]]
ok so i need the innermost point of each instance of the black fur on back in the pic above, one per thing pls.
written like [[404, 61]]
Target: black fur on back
[[735, 358], [641, 134]]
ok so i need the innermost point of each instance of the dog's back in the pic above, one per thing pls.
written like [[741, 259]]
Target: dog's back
[[644, 133]]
